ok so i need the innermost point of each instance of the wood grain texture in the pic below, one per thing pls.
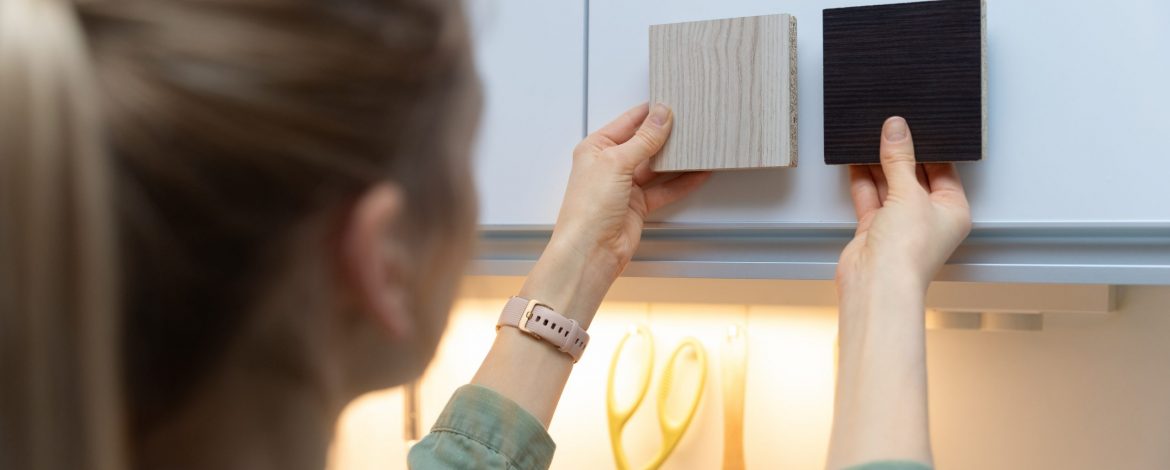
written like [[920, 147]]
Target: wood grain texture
[[924, 61], [732, 86]]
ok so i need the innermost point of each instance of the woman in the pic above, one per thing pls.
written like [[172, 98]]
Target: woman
[[222, 220]]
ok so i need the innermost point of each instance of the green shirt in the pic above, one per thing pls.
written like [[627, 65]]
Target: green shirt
[[480, 429]]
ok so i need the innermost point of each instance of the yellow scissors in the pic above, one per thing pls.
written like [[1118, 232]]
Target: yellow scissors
[[672, 430]]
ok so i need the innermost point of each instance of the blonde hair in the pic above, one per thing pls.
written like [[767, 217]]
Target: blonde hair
[[197, 136], [61, 403]]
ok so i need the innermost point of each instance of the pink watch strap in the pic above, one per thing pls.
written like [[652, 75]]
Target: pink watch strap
[[543, 323]]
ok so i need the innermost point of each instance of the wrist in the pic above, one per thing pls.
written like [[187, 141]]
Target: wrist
[[894, 293], [567, 280], [866, 279], [587, 243], [878, 319], [521, 344]]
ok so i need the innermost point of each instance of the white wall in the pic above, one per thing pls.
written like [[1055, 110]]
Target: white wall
[[1088, 391]]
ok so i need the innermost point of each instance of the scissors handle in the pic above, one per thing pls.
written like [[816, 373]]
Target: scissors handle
[[673, 430], [619, 416]]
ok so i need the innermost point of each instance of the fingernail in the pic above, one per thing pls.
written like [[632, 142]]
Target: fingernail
[[895, 129], [659, 113]]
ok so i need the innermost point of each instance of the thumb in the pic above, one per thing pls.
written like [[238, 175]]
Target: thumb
[[649, 138], [897, 154]]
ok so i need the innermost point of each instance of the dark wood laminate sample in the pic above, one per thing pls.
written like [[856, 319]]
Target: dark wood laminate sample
[[924, 61]]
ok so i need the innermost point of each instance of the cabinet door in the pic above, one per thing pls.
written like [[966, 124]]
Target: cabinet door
[[1079, 114], [1075, 187], [531, 59]]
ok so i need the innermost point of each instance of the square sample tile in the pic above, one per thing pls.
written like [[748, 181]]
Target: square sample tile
[[924, 61], [732, 86]]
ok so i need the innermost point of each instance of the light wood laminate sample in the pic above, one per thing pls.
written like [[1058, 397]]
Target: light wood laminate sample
[[732, 86]]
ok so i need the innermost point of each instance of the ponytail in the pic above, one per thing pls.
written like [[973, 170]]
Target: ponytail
[[60, 399]]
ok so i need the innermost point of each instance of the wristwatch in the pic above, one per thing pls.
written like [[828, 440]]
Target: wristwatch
[[541, 322]]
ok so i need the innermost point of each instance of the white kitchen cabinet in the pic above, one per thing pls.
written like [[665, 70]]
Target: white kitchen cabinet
[[1075, 187], [531, 60]]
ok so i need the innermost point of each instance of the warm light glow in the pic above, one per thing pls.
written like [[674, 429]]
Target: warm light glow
[[789, 388], [367, 433]]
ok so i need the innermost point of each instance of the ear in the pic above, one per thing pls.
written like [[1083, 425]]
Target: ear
[[373, 261]]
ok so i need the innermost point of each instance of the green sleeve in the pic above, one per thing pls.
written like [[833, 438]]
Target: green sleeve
[[891, 465], [481, 429]]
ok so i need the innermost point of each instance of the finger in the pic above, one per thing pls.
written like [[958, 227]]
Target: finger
[[618, 130], [672, 190], [879, 180], [897, 154], [943, 177], [649, 138], [863, 191], [920, 173], [944, 184], [643, 174], [662, 178]]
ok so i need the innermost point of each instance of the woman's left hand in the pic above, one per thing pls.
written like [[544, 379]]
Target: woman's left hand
[[611, 190]]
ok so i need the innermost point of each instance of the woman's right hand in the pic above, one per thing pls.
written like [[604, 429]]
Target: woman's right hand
[[910, 217]]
